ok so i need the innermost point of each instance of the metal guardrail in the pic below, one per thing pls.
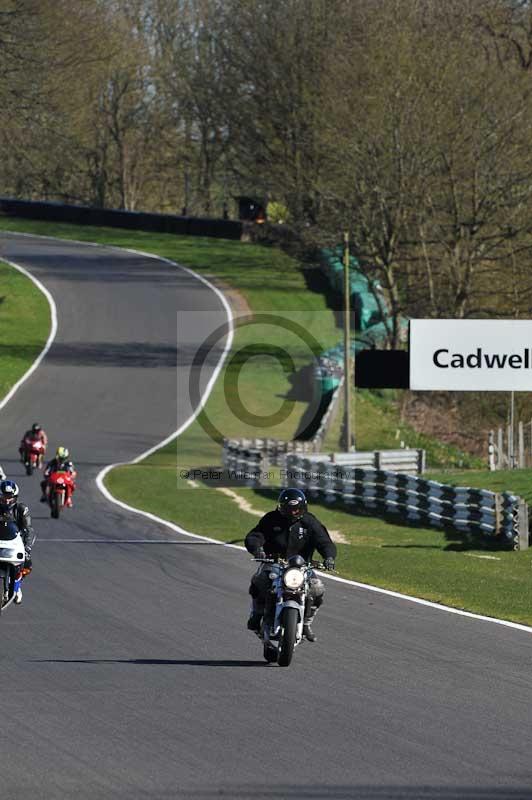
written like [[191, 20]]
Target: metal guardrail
[[275, 452], [410, 461], [329, 417], [413, 499]]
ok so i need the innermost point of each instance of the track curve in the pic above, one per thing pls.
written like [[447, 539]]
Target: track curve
[[133, 674]]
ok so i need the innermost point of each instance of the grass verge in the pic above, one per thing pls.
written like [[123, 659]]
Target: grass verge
[[24, 325]]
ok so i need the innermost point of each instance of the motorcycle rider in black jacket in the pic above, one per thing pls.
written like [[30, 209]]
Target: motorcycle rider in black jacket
[[20, 513], [289, 530]]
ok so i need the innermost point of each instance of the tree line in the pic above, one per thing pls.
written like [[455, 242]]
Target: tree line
[[407, 123]]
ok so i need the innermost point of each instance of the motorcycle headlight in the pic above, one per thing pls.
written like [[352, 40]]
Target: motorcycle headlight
[[7, 552], [293, 579]]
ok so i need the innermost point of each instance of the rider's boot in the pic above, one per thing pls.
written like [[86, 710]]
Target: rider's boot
[[18, 597], [254, 621], [255, 618]]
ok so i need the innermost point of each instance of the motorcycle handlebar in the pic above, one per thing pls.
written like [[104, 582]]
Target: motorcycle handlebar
[[312, 563]]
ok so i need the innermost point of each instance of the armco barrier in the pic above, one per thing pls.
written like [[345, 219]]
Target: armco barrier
[[134, 220], [413, 499]]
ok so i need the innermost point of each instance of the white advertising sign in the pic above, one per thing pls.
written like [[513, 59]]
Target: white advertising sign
[[471, 355]]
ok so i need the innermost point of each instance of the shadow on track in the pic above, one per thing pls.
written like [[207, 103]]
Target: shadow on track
[[151, 661]]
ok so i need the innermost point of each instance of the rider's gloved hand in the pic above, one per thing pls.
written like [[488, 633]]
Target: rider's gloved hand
[[259, 553], [329, 564]]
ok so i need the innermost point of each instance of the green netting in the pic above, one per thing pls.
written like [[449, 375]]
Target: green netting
[[371, 327]]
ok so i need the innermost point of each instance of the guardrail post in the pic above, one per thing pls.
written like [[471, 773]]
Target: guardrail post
[[523, 525]]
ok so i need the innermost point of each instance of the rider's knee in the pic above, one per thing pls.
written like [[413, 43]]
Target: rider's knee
[[317, 590]]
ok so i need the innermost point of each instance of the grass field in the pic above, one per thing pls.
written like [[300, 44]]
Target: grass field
[[24, 325], [416, 561]]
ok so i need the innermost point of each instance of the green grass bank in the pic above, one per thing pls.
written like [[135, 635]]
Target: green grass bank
[[24, 325]]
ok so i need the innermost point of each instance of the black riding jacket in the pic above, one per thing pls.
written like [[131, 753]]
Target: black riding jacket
[[21, 515], [55, 464], [281, 537]]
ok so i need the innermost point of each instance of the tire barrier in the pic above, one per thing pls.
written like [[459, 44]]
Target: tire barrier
[[415, 500], [245, 465]]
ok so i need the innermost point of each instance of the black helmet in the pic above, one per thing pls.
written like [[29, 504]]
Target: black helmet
[[8, 494], [36, 428], [292, 503]]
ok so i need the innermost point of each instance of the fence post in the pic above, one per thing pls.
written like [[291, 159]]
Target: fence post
[[521, 446], [523, 524], [500, 445], [491, 452]]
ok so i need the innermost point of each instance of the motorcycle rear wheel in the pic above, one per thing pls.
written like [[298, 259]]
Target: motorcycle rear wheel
[[288, 637]]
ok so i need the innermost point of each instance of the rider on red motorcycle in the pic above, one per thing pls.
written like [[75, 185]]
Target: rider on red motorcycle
[[36, 432], [60, 463]]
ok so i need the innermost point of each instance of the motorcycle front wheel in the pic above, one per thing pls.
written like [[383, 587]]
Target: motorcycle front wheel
[[270, 652], [288, 636], [55, 505], [29, 468]]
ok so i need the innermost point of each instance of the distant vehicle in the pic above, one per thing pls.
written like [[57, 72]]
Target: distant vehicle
[[33, 451]]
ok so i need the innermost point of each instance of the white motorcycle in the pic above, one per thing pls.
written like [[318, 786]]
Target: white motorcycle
[[12, 557], [282, 625]]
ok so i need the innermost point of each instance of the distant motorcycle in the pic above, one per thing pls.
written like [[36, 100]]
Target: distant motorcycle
[[60, 486], [282, 625], [12, 558], [32, 454]]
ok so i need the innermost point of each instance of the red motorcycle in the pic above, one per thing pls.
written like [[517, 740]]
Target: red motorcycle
[[59, 490], [33, 451]]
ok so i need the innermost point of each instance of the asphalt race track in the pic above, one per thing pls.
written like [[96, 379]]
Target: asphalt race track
[[127, 671]]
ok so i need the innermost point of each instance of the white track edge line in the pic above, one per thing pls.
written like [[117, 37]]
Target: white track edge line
[[102, 474]]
